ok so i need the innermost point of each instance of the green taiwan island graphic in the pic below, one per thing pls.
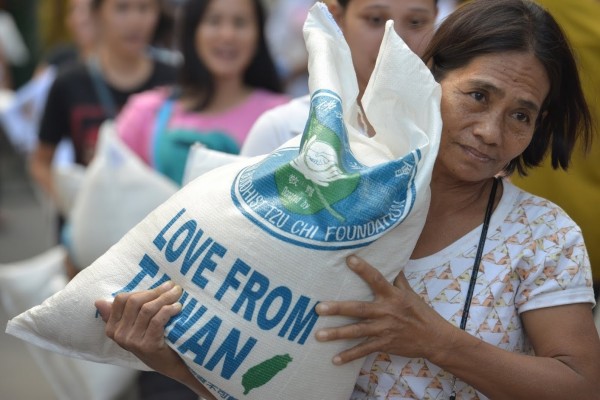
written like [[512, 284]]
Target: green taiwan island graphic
[[262, 373], [315, 180]]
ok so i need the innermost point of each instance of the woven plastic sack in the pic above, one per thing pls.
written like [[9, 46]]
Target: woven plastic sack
[[67, 180], [201, 160], [118, 191], [256, 244], [27, 283]]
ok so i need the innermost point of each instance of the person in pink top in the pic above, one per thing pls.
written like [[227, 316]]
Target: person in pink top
[[226, 81]]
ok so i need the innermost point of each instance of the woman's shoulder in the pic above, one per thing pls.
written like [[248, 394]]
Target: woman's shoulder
[[61, 55], [71, 83], [536, 212], [149, 99], [72, 73]]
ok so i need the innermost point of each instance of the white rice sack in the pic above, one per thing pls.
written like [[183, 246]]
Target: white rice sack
[[117, 192], [27, 283], [256, 244], [201, 159], [67, 180]]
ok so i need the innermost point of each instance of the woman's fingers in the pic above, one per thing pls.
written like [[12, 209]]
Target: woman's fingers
[[116, 312], [369, 274], [131, 313], [383, 324], [136, 304], [368, 346], [355, 309], [368, 330], [118, 305], [150, 325], [156, 327], [356, 330], [104, 308], [142, 307], [361, 329], [401, 282], [381, 288]]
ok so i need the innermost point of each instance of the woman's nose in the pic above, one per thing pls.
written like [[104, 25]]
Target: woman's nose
[[490, 129], [228, 30]]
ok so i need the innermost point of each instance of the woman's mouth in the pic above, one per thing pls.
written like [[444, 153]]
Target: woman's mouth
[[482, 157], [226, 54]]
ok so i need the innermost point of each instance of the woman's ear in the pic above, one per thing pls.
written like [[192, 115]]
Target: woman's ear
[[335, 9]]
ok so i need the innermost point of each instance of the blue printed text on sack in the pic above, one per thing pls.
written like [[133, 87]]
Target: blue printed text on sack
[[198, 329]]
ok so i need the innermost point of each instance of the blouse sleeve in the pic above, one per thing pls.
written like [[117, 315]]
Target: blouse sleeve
[[555, 268]]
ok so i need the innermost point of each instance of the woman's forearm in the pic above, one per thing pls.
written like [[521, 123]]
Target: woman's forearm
[[500, 374]]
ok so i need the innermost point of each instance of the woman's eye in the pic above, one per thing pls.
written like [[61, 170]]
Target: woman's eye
[[522, 117], [212, 20], [122, 7], [375, 20], [416, 23], [241, 22], [478, 96]]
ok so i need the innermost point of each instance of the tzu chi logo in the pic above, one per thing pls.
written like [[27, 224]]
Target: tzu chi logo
[[320, 196]]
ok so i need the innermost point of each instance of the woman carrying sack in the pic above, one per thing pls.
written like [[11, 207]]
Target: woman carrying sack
[[499, 309]]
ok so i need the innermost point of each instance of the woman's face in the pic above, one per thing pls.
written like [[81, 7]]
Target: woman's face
[[227, 37], [127, 26], [489, 109], [363, 23]]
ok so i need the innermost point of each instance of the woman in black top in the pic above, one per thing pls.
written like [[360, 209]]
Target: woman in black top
[[86, 93]]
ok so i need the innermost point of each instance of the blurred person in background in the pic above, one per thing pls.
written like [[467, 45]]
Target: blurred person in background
[[91, 91], [363, 23], [227, 80], [88, 92]]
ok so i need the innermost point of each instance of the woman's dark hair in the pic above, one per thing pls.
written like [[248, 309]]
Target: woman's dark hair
[[164, 33], [194, 77], [493, 26]]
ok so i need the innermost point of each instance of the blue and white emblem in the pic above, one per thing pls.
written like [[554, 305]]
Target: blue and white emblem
[[320, 196]]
